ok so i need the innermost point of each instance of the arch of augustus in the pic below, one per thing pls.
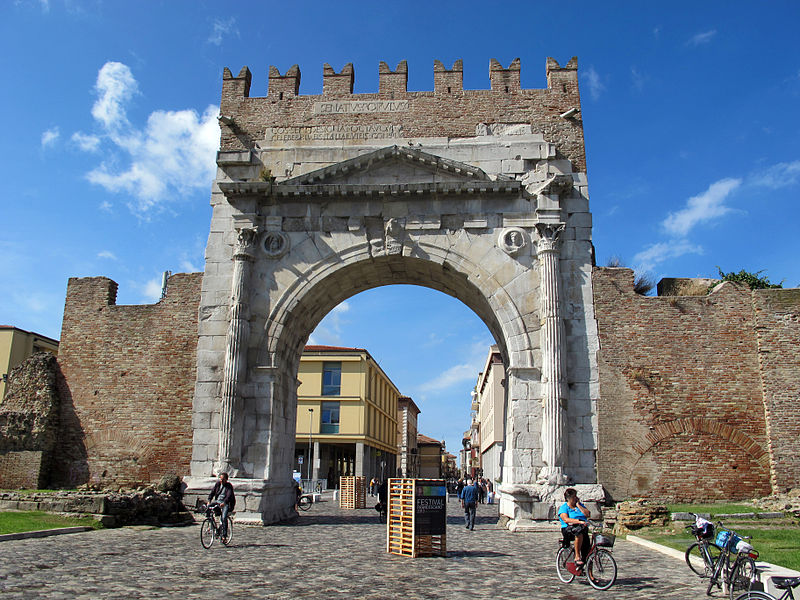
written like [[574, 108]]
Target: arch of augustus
[[480, 194]]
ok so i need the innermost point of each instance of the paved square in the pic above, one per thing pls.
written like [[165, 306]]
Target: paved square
[[327, 553]]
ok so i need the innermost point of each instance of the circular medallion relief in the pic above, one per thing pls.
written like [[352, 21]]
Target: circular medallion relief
[[275, 243], [512, 240]]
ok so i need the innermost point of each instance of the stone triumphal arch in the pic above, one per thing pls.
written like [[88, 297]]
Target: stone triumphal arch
[[478, 194]]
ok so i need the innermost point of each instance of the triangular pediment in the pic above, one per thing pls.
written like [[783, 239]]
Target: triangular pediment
[[392, 165], [394, 170]]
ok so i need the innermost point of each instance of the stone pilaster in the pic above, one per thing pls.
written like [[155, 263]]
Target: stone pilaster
[[553, 373], [235, 353]]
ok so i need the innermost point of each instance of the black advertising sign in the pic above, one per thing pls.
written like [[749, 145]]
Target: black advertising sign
[[430, 508]]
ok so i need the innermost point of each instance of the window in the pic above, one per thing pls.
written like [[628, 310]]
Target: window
[[331, 378], [330, 417]]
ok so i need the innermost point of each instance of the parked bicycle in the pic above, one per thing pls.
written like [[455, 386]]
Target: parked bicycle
[[305, 501], [599, 566], [782, 583], [738, 574], [211, 529], [702, 555]]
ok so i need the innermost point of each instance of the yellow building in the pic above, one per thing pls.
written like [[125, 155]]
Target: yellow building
[[346, 416], [16, 345]]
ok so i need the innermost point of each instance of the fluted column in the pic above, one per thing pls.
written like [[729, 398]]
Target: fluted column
[[553, 374], [235, 352]]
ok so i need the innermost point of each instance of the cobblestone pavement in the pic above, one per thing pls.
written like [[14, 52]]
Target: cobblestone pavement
[[327, 553]]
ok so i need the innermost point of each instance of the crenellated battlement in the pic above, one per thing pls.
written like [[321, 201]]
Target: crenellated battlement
[[446, 81], [282, 114]]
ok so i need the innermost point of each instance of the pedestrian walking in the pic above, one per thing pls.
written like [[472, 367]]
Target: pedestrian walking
[[469, 502]]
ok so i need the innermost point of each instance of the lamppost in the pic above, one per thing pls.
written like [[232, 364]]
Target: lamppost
[[310, 458]]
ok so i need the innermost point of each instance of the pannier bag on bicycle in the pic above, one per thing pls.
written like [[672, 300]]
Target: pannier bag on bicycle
[[703, 528], [744, 548], [727, 539]]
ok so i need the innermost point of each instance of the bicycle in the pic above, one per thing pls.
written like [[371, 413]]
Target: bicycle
[[305, 501], [782, 583], [599, 567], [210, 530], [739, 576], [702, 552]]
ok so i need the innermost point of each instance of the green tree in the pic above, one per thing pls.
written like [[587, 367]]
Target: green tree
[[755, 281]]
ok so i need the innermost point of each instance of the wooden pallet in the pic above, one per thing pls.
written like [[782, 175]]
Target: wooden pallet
[[352, 492], [400, 537]]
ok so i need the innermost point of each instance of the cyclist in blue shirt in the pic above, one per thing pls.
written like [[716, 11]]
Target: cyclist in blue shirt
[[573, 516]]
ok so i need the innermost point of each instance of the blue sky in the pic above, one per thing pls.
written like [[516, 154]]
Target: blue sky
[[690, 115]]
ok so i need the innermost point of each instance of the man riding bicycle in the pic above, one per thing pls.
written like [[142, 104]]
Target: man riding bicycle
[[222, 495], [573, 516]]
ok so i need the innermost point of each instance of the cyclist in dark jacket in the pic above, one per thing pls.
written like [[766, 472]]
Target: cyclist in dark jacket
[[224, 496]]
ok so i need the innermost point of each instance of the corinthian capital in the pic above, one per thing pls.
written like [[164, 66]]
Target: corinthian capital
[[245, 244], [549, 234]]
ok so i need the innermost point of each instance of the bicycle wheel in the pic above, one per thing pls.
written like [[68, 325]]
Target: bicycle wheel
[[207, 533], [742, 576], [304, 503], [756, 596], [700, 564], [601, 569], [564, 556], [226, 540]]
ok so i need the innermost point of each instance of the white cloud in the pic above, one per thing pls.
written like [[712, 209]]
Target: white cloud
[[222, 28], [105, 206], [173, 155], [452, 376], [654, 254], [329, 330], [592, 79], [87, 143], [464, 372], [107, 254], [152, 290], [701, 38], [115, 87], [50, 137], [703, 208], [777, 176], [188, 267]]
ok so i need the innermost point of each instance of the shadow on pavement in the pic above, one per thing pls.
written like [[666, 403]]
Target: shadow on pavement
[[475, 554]]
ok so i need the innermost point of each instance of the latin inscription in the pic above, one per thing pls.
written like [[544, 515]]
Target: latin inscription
[[349, 107], [366, 131]]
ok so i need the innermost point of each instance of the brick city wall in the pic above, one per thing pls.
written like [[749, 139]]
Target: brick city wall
[[128, 382], [681, 414], [448, 111], [29, 423], [777, 320]]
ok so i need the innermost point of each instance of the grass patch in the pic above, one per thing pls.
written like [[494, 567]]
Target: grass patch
[[21, 521], [778, 544]]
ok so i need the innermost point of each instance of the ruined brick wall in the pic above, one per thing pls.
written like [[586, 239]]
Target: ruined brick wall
[[29, 416], [128, 382], [777, 320], [681, 411], [448, 111]]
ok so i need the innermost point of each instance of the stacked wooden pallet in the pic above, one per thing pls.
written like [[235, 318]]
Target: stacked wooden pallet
[[400, 517], [400, 523], [352, 492]]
